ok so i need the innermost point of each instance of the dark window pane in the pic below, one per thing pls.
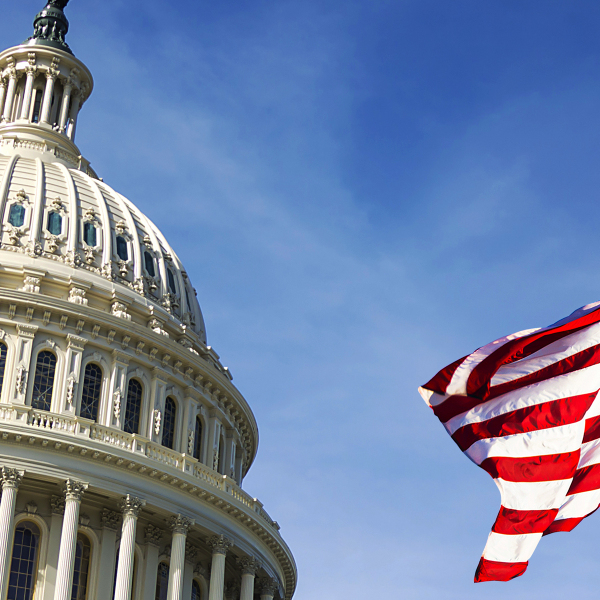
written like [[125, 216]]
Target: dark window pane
[[16, 216], [198, 439], [122, 248], [81, 571], [162, 581], [168, 436], [89, 234], [37, 104], [54, 223], [134, 407], [171, 279], [149, 264], [24, 562], [196, 593], [90, 396], [43, 382]]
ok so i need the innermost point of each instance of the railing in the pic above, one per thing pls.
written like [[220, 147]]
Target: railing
[[78, 427]]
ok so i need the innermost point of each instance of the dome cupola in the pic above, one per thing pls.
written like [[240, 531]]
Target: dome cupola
[[51, 26]]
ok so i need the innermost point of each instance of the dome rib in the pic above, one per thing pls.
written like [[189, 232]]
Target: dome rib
[[8, 174], [107, 249], [38, 204], [73, 216]]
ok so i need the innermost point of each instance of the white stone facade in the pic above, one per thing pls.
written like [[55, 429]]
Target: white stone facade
[[123, 441]]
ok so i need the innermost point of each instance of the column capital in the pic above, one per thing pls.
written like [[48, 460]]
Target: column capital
[[268, 586], [179, 524], [153, 535], [111, 519], [11, 478], [131, 506], [74, 489], [220, 544], [249, 565]]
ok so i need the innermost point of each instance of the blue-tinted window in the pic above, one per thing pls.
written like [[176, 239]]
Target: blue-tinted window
[[54, 223], [23, 566], [43, 382], [81, 571], [198, 439], [168, 436], [37, 105], [134, 407], [196, 593], [16, 216], [149, 264], [2, 364], [122, 248], [171, 279], [90, 396], [162, 581], [89, 234]]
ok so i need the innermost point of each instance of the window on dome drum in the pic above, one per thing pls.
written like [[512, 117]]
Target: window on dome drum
[[134, 407], [196, 592], [54, 223], [90, 396], [89, 234], [168, 436], [43, 382], [23, 566], [149, 264], [122, 248], [198, 439], [221, 451], [16, 215], [171, 278], [37, 105], [162, 581], [81, 572]]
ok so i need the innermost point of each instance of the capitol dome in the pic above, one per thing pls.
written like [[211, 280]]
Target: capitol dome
[[124, 443]]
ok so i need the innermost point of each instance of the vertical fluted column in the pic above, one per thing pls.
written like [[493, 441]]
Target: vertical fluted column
[[131, 507], [268, 587], [51, 76], [10, 95], [2, 94], [68, 539], [11, 478], [219, 544], [179, 525], [73, 115], [249, 565], [31, 72], [64, 109]]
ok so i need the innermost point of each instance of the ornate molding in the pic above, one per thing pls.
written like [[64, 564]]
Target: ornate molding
[[191, 552], [11, 478], [57, 504], [131, 506], [179, 524], [153, 535], [219, 544], [74, 489], [249, 565], [111, 519], [268, 586]]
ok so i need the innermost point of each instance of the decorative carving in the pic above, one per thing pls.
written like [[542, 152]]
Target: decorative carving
[[156, 326], [165, 360], [33, 248], [111, 336], [123, 268], [14, 235], [31, 508], [215, 459], [219, 544], [95, 331], [70, 390], [32, 285], [125, 341], [53, 243], [139, 348], [153, 353], [157, 418], [179, 524], [77, 296], [131, 506], [74, 489], [121, 226], [249, 565], [147, 241], [72, 258], [84, 520], [191, 552], [111, 519], [46, 319], [63, 321], [107, 271], [190, 445], [117, 403], [57, 504], [21, 378], [89, 215], [153, 534], [90, 254], [268, 586], [119, 310], [57, 204], [11, 478], [169, 302], [203, 571]]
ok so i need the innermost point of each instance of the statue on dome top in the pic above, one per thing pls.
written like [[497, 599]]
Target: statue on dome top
[[51, 26]]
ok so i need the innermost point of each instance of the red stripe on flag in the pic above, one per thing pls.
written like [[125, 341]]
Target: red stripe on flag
[[440, 382], [586, 479], [490, 570], [548, 467], [592, 429], [518, 522], [566, 524], [455, 405], [530, 418]]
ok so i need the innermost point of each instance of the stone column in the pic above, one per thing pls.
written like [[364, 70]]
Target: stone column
[[268, 586], [219, 544], [2, 94], [111, 522], [51, 76], [68, 539], [153, 537], [11, 479], [73, 116], [179, 525], [64, 109], [131, 507], [31, 72], [10, 95], [249, 565], [57, 504]]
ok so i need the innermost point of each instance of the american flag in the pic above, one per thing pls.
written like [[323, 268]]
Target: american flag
[[525, 409]]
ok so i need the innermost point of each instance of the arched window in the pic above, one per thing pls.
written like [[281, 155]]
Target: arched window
[[162, 581], [54, 223], [168, 436], [23, 566], [198, 439], [90, 395], [37, 105], [196, 591], [171, 278], [149, 264], [122, 248], [89, 234], [43, 382], [134, 407], [81, 572], [16, 215]]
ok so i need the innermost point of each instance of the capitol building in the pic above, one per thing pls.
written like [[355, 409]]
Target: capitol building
[[124, 442]]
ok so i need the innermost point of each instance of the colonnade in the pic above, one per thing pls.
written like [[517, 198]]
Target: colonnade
[[130, 507]]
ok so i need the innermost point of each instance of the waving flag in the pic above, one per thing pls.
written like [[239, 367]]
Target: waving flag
[[524, 408]]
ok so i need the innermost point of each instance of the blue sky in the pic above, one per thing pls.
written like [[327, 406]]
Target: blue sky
[[362, 192]]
